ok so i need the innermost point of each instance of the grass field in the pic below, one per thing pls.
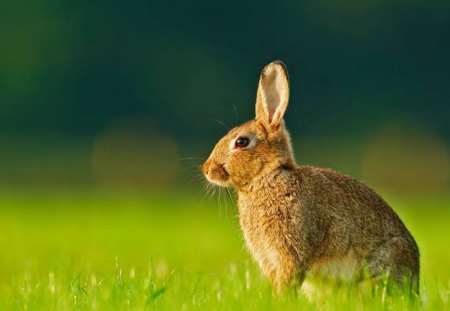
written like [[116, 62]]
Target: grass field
[[98, 250]]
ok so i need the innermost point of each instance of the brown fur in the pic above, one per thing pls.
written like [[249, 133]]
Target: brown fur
[[300, 220]]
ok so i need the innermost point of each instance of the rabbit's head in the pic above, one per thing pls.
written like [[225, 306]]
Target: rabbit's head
[[259, 146]]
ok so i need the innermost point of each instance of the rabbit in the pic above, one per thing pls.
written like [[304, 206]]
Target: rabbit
[[303, 220]]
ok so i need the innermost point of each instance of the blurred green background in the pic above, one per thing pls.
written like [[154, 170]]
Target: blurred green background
[[106, 92], [108, 108]]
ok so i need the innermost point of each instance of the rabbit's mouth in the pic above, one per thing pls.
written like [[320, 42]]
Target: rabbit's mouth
[[216, 173]]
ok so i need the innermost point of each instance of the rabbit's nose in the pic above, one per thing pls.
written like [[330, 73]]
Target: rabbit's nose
[[206, 167]]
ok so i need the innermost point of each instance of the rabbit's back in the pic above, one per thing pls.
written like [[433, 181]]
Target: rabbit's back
[[355, 220]]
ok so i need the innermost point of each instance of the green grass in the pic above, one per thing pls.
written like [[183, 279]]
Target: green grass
[[87, 250]]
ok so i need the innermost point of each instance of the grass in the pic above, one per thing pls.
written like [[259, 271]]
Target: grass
[[92, 250]]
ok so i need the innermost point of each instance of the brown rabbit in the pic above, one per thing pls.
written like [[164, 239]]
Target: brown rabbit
[[300, 220]]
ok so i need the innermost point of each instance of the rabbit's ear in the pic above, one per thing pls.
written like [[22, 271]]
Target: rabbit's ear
[[273, 94]]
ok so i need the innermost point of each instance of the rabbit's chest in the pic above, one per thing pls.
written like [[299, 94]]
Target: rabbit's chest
[[265, 237]]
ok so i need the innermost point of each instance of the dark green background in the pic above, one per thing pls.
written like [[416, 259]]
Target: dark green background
[[72, 70]]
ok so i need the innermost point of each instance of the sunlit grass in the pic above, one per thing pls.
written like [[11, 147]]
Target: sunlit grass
[[88, 250]]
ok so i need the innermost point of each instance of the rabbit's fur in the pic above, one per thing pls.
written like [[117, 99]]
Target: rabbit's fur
[[298, 220]]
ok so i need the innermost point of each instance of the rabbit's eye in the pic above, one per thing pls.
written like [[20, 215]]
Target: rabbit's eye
[[242, 142]]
